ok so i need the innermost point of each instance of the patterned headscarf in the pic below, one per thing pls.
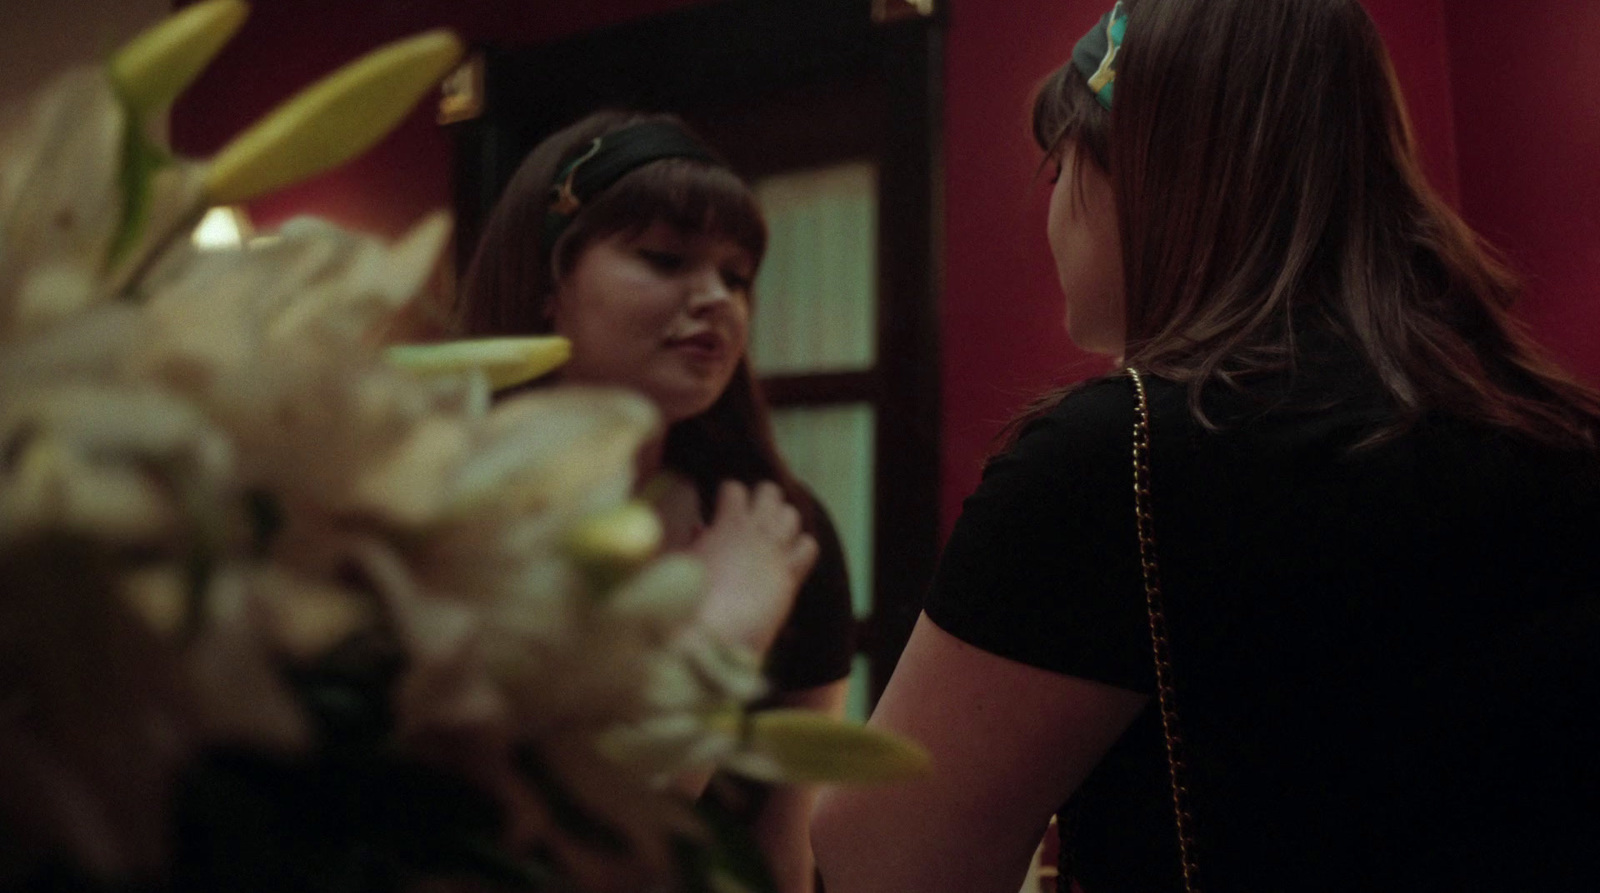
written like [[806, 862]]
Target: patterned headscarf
[[1095, 56]]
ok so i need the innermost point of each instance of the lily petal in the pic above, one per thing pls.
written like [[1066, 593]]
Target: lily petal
[[333, 120]]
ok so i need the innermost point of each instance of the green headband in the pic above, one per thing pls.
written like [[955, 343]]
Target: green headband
[[1095, 56]]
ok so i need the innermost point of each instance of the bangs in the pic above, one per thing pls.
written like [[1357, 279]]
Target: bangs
[[1064, 108], [689, 196]]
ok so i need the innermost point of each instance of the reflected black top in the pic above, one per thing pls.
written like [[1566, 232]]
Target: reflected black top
[[815, 647], [817, 642], [1387, 659]]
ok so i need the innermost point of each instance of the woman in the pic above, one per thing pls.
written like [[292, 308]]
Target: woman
[[625, 234], [1368, 527]]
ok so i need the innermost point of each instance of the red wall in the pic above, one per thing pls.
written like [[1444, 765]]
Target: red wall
[[1414, 31], [1527, 87], [1003, 338]]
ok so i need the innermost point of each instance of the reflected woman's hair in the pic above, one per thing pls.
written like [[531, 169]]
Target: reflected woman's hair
[[512, 278]]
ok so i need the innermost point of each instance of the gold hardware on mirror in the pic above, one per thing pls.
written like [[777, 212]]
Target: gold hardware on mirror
[[887, 11], [461, 92]]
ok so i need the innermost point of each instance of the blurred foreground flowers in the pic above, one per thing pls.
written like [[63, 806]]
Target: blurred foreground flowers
[[282, 610]]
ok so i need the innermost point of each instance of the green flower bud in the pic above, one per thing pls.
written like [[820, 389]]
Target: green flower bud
[[158, 65], [504, 361], [619, 539], [811, 747], [333, 120]]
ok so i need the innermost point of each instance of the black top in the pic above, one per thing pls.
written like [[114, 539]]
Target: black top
[[1387, 658], [817, 642]]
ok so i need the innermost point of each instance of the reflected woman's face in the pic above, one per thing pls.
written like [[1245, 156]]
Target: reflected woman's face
[[1082, 229], [661, 311]]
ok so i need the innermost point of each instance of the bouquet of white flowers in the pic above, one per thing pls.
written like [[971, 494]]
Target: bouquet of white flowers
[[283, 608]]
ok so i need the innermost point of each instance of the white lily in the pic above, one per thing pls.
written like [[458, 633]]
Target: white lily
[[59, 202]]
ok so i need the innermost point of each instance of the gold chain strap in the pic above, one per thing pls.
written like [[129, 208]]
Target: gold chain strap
[[1158, 634]]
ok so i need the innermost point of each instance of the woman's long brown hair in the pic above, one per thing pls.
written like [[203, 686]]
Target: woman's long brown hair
[[1268, 185], [509, 284]]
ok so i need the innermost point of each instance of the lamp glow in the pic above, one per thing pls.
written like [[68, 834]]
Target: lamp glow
[[224, 228]]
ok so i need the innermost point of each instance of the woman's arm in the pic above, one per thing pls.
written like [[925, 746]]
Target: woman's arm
[[1009, 743], [783, 828]]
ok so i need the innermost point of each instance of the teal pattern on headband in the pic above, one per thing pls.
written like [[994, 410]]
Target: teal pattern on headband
[[1095, 56]]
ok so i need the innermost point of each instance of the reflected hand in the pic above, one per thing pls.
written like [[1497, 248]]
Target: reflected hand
[[756, 558]]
